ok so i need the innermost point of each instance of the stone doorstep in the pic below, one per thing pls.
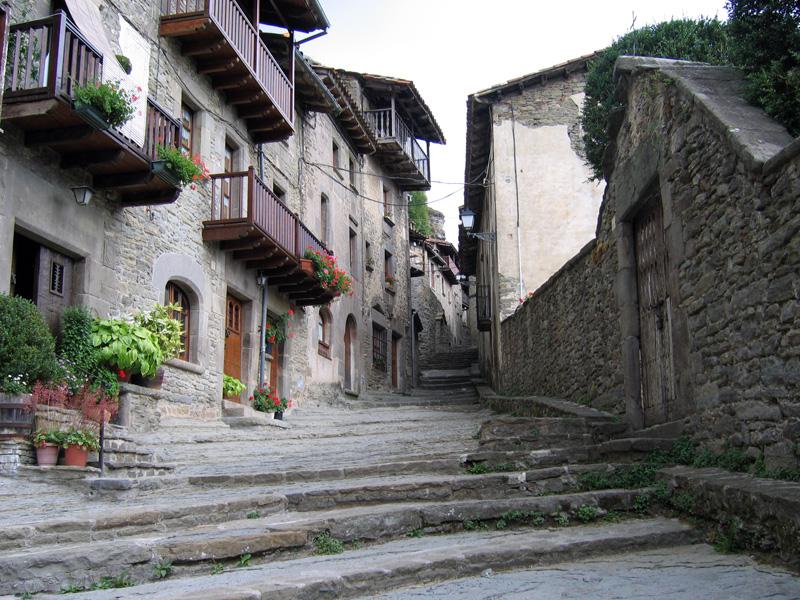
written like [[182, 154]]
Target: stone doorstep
[[530, 458], [410, 562], [282, 532]]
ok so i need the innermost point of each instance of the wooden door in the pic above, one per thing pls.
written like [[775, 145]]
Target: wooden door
[[233, 337], [658, 382], [275, 366], [395, 346]]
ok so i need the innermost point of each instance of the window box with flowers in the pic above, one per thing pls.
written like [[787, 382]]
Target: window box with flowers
[[391, 282], [104, 104], [334, 280], [179, 169]]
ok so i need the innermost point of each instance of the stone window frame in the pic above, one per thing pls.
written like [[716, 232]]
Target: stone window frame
[[175, 293], [324, 329], [379, 348], [188, 116], [324, 219]]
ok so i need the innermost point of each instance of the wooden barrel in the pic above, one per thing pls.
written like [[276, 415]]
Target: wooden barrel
[[16, 420]]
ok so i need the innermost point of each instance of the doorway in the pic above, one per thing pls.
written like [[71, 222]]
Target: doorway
[[395, 349], [233, 338], [276, 351], [655, 316], [349, 353]]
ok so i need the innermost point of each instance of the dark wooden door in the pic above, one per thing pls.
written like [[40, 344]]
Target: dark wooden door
[[233, 337], [348, 362], [658, 382], [275, 366], [395, 346]]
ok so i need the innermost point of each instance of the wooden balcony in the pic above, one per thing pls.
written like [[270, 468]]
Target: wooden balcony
[[402, 153], [450, 269], [225, 45], [252, 223], [47, 59]]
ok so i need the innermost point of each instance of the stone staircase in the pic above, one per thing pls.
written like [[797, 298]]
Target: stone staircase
[[396, 482]]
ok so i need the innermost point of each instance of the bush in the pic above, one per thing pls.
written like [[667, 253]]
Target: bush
[[765, 43], [108, 97], [126, 346], [77, 354], [704, 40], [27, 348]]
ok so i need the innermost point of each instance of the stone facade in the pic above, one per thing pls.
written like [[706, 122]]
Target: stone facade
[[728, 182]]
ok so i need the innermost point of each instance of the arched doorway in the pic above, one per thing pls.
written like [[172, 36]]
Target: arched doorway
[[350, 345]]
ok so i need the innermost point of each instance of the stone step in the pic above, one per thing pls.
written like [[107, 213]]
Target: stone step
[[411, 561], [49, 568], [530, 459], [255, 421]]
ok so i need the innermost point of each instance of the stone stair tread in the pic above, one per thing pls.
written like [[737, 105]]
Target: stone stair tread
[[411, 561]]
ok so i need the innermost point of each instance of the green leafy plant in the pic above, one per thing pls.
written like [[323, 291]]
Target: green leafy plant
[[418, 213], [48, 436], [167, 331], [391, 280], [125, 63], [683, 502], [265, 399], [111, 583], [244, 560], [278, 327], [217, 568], [253, 514], [324, 543], [84, 438], [562, 520], [477, 469], [109, 99], [586, 513], [231, 387], [725, 537], [162, 569], [329, 274], [27, 348], [415, 533], [641, 503], [501, 524], [127, 346], [189, 170]]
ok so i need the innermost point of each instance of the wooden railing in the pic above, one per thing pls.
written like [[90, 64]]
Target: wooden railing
[[242, 196], [387, 124], [162, 130], [451, 264], [48, 58], [243, 37]]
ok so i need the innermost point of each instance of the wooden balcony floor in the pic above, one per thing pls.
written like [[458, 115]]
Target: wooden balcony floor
[[215, 57], [400, 165], [113, 161]]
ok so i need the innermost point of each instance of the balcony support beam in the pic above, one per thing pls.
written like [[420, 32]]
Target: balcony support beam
[[85, 159], [51, 137], [218, 66]]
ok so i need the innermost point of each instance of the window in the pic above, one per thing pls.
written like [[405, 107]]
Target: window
[[57, 278], [174, 294], [352, 165], [335, 157], [387, 201], [388, 268], [187, 128], [279, 192], [353, 252], [433, 274], [378, 347], [369, 260], [323, 218], [230, 186], [324, 332]]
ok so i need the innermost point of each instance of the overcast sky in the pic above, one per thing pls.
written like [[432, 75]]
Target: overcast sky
[[452, 48]]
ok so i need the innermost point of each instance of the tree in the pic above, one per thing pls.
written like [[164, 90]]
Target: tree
[[418, 213], [705, 40]]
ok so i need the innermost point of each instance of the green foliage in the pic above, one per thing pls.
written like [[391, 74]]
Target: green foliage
[[125, 63], [765, 38], [474, 525], [704, 40], [415, 533], [482, 468], [725, 537], [75, 346], [324, 543], [612, 516], [328, 272], [127, 346], [187, 169], [244, 560], [501, 524], [217, 568], [166, 330], [641, 503], [562, 520], [418, 213], [477, 469], [48, 436], [627, 477], [265, 399], [104, 583], [81, 437], [253, 514], [586, 514], [162, 569], [108, 98], [27, 348], [683, 502]]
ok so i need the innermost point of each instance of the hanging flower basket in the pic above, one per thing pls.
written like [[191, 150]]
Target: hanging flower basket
[[307, 265], [92, 116], [163, 171]]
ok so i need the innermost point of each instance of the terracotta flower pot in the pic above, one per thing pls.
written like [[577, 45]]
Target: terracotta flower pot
[[76, 456], [307, 265], [47, 455]]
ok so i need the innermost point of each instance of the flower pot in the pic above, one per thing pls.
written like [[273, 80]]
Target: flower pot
[[278, 415], [123, 376], [92, 116], [154, 383], [307, 265], [47, 455], [163, 172], [76, 456]]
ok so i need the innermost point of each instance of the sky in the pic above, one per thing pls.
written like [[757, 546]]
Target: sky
[[452, 48]]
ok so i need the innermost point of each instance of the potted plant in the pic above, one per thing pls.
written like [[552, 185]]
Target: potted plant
[[391, 281], [266, 400], [104, 104], [126, 346], [77, 443], [167, 332], [47, 443], [178, 168], [231, 387], [331, 277]]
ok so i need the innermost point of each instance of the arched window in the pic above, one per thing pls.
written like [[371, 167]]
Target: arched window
[[324, 332], [174, 294]]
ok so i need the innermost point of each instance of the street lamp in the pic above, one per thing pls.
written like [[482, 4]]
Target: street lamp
[[468, 222], [83, 194]]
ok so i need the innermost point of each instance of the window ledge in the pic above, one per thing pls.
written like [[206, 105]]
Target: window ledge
[[324, 350], [185, 365], [369, 267], [388, 220], [390, 290]]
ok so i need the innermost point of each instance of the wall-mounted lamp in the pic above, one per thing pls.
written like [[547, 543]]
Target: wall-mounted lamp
[[468, 222], [261, 279], [83, 194]]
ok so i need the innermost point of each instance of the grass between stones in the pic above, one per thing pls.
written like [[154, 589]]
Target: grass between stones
[[324, 543], [104, 583], [483, 468]]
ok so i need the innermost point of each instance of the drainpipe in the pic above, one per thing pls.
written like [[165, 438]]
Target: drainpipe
[[262, 357], [516, 193]]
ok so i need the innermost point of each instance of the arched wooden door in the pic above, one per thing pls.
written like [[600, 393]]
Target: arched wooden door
[[233, 338], [349, 353]]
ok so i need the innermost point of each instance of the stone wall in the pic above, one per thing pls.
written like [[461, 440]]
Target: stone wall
[[563, 341], [14, 453]]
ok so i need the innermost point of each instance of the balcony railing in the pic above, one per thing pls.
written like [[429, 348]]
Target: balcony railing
[[240, 34], [243, 197], [483, 307], [451, 266], [162, 130], [388, 125]]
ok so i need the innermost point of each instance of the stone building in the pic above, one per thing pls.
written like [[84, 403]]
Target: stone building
[[529, 187], [299, 156], [685, 307], [436, 297]]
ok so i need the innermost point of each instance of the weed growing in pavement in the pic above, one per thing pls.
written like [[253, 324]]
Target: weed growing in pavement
[[501, 524], [324, 543], [641, 503], [586, 514], [162, 569], [217, 568], [475, 526], [104, 583], [562, 520], [253, 514], [477, 469], [683, 502], [612, 516], [244, 560], [482, 468], [725, 537], [72, 588], [415, 533]]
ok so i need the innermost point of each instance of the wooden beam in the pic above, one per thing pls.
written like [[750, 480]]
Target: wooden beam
[[228, 232], [202, 47], [246, 97], [283, 279], [232, 82], [268, 264], [50, 137], [298, 287], [243, 244], [150, 198], [217, 66], [84, 159], [262, 250], [121, 180], [180, 26]]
